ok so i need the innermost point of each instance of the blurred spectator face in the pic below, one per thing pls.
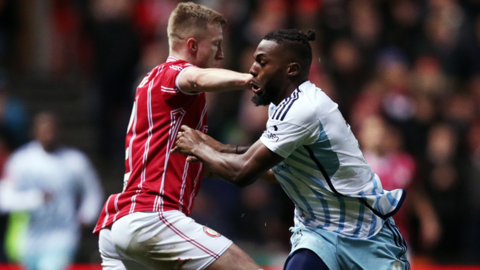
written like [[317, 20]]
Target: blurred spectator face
[[377, 136], [405, 12], [443, 177], [392, 140], [460, 108], [428, 77], [424, 109], [441, 143], [269, 15], [393, 69], [443, 22], [365, 22], [372, 132], [45, 130], [210, 50], [104, 10], [268, 72], [345, 56]]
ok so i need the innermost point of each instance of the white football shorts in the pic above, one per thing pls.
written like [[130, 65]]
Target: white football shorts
[[156, 240]]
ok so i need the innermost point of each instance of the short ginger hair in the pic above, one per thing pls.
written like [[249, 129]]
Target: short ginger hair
[[191, 20]]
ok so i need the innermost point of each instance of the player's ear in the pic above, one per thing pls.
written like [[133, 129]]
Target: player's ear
[[192, 45], [293, 69]]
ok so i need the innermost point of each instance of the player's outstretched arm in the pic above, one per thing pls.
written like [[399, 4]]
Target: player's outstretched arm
[[241, 170], [195, 79]]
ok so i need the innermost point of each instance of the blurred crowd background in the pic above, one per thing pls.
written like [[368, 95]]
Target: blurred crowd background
[[405, 74]]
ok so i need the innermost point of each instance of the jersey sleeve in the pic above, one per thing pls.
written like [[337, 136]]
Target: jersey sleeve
[[168, 86], [15, 192], [89, 188], [283, 137]]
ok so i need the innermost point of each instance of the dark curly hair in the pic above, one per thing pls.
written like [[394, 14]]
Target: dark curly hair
[[297, 42]]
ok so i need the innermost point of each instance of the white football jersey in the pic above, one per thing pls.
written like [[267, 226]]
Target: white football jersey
[[324, 171]]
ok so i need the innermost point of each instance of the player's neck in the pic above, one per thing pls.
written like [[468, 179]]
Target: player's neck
[[180, 54], [291, 86]]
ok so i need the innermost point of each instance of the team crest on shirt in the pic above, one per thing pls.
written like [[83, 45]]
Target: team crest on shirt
[[211, 232]]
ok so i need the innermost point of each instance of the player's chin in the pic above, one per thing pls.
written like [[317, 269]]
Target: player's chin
[[260, 99]]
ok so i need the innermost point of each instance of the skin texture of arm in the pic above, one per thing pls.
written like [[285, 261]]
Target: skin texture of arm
[[241, 170], [195, 79], [220, 147]]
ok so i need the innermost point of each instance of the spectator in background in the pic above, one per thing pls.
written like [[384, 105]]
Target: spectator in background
[[9, 24], [472, 168], [46, 180], [5, 150], [13, 126], [117, 51], [444, 184], [381, 145], [13, 117]]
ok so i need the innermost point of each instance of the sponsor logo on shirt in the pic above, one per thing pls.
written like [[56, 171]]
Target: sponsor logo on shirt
[[271, 136]]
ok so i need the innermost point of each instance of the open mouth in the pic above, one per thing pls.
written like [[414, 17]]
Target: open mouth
[[255, 87]]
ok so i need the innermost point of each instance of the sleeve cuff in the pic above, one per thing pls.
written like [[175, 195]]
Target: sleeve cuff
[[178, 87], [273, 148]]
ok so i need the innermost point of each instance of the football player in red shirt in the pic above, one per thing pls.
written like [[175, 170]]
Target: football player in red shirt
[[146, 226]]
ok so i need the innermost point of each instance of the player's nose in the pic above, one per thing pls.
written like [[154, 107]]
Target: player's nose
[[253, 70], [219, 55]]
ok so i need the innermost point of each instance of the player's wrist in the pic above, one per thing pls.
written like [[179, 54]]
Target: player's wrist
[[247, 81]]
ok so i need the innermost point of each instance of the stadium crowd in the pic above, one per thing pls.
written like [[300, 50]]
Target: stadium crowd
[[405, 73]]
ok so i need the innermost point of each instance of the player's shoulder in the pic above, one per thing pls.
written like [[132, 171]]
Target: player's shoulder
[[72, 153], [175, 64], [168, 71], [27, 149], [26, 153], [298, 108]]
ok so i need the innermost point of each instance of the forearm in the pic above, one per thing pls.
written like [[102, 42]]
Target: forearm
[[214, 80], [239, 169], [235, 149], [225, 165], [14, 200], [223, 148]]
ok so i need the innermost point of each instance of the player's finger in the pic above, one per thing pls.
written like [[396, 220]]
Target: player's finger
[[192, 159], [175, 149]]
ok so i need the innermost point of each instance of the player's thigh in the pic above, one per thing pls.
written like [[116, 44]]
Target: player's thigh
[[234, 259], [385, 250], [305, 259], [111, 260], [167, 240]]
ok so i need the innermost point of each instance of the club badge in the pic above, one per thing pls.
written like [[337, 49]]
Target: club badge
[[211, 232]]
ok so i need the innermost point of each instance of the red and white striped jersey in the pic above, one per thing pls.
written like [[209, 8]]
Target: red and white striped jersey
[[156, 179]]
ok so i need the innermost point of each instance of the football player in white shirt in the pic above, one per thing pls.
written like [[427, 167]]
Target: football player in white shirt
[[45, 180], [342, 213]]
